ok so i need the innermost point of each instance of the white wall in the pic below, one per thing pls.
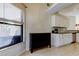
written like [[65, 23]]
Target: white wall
[[15, 49], [37, 20]]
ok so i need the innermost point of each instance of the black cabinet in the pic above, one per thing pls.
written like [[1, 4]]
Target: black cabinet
[[39, 40]]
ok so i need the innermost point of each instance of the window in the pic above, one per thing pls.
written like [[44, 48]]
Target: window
[[10, 34], [11, 27]]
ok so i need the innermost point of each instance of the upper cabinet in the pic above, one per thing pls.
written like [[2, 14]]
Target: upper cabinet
[[68, 15], [12, 12], [72, 12], [59, 20], [72, 23]]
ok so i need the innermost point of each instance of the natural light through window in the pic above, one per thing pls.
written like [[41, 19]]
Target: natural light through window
[[11, 27]]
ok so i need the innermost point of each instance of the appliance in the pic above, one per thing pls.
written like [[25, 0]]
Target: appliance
[[58, 29]]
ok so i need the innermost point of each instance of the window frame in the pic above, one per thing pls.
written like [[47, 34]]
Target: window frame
[[16, 23]]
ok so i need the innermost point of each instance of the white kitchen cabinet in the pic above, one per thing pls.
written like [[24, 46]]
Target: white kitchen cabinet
[[67, 38], [58, 40], [55, 40], [59, 20], [72, 23], [77, 37], [55, 21]]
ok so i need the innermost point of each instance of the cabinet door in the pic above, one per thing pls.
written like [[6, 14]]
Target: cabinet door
[[57, 20], [60, 20], [55, 40], [12, 12], [67, 38], [77, 37], [1, 10], [58, 40], [72, 22], [53, 20], [61, 39]]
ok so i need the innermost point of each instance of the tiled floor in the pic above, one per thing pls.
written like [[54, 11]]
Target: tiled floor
[[68, 50]]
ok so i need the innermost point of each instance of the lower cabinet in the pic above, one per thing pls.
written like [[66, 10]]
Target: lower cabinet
[[60, 39], [67, 38], [77, 37]]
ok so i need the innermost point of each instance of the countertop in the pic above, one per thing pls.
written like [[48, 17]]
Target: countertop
[[68, 31], [61, 33]]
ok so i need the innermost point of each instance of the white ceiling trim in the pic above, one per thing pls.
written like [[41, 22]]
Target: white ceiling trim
[[57, 7]]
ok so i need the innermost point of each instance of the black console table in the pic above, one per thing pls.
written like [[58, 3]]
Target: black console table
[[38, 40]]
